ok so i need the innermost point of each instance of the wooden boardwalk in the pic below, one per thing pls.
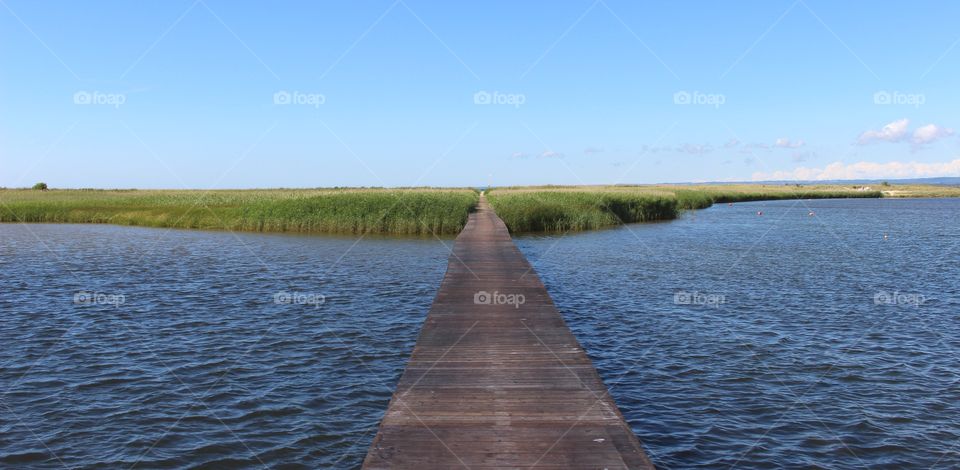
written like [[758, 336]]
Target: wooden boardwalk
[[499, 385]]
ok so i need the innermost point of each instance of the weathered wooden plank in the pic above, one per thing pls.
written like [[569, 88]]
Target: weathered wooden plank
[[499, 385]]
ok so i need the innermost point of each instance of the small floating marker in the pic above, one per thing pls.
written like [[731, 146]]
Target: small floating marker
[[884, 236], [811, 214], [730, 204], [599, 440], [759, 212]]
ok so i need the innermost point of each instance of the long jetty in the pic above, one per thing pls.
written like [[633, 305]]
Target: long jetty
[[497, 379]]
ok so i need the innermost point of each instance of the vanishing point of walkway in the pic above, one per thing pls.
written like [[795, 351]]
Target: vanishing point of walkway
[[496, 378]]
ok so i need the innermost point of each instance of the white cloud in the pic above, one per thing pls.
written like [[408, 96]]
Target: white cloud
[[788, 144], [731, 143], [550, 154], [893, 132], [592, 150], [865, 170], [930, 133], [519, 155]]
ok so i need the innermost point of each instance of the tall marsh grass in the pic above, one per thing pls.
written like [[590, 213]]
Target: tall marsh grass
[[705, 197], [405, 211], [552, 211], [391, 211], [563, 208]]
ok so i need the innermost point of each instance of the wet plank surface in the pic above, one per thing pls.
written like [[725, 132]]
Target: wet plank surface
[[499, 381]]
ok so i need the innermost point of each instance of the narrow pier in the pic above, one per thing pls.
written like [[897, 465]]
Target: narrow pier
[[496, 379]]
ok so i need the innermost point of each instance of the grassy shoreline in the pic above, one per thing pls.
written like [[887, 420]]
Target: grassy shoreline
[[563, 208], [408, 211], [414, 211]]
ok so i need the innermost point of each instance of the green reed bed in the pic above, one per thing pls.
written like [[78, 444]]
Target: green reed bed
[[702, 198], [558, 211], [563, 208], [412, 211]]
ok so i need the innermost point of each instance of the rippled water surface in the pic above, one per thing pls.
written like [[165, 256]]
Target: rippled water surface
[[199, 364], [799, 338], [728, 339]]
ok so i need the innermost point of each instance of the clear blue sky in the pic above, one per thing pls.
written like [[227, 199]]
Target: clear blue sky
[[181, 93]]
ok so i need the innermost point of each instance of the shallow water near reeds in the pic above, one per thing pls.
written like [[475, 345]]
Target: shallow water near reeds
[[727, 338]]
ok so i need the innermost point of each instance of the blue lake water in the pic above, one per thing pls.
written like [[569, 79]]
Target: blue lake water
[[728, 339], [199, 363], [731, 339]]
